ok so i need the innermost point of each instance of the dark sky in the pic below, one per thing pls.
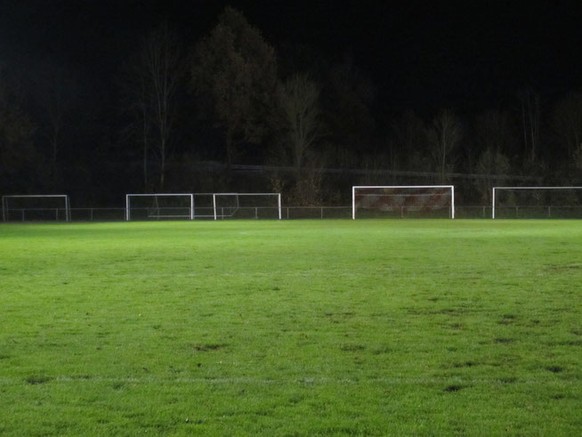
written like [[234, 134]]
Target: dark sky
[[428, 54]]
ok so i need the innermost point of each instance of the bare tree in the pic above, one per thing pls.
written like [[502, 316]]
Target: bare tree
[[136, 88], [495, 138], [234, 69], [349, 97], [299, 100], [301, 129], [493, 165], [493, 130], [567, 123], [530, 122], [444, 136], [162, 60], [19, 165], [56, 88], [409, 133], [151, 81], [307, 190]]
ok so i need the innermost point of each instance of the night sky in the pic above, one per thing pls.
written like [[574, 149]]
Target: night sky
[[466, 55]]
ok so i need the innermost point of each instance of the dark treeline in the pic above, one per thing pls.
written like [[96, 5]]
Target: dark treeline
[[232, 112]]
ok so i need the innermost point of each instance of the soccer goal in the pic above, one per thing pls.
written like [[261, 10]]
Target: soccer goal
[[403, 201], [536, 202], [247, 205], [203, 205], [164, 206], [39, 207]]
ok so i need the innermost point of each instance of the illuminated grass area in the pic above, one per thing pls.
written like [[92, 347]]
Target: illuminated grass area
[[291, 328]]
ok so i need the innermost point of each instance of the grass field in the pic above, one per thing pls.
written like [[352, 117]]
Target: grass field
[[291, 328]]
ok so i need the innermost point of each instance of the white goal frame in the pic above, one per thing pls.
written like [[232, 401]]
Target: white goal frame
[[495, 189], [65, 197], [379, 187], [277, 195], [189, 196]]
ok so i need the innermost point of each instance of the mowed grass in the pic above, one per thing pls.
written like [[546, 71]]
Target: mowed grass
[[291, 328]]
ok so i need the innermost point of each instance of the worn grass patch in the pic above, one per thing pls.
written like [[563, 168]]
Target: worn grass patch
[[291, 328]]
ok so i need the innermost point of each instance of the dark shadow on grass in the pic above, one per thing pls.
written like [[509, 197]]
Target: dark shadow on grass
[[453, 388], [465, 364], [208, 347], [37, 379], [508, 319], [555, 369], [352, 347]]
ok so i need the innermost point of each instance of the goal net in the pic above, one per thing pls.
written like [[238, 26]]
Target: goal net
[[536, 202], [39, 207], [247, 205], [166, 206], [204, 205], [409, 201]]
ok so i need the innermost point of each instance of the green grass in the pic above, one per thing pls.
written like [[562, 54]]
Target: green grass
[[291, 328]]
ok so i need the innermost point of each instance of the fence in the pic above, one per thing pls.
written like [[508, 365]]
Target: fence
[[291, 213], [118, 214]]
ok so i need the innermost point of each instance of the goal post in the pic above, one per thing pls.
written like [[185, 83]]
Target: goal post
[[247, 205], [46, 207], [536, 202], [203, 205], [403, 201], [160, 206]]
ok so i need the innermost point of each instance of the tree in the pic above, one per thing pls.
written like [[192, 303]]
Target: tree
[[150, 83], [409, 138], [567, 123], [444, 136], [492, 165], [234, 69], [495, 138], [493, 130], [136, 104], [18, 157], [530, 122], [55, 92], [299, 100], [348, 97]]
